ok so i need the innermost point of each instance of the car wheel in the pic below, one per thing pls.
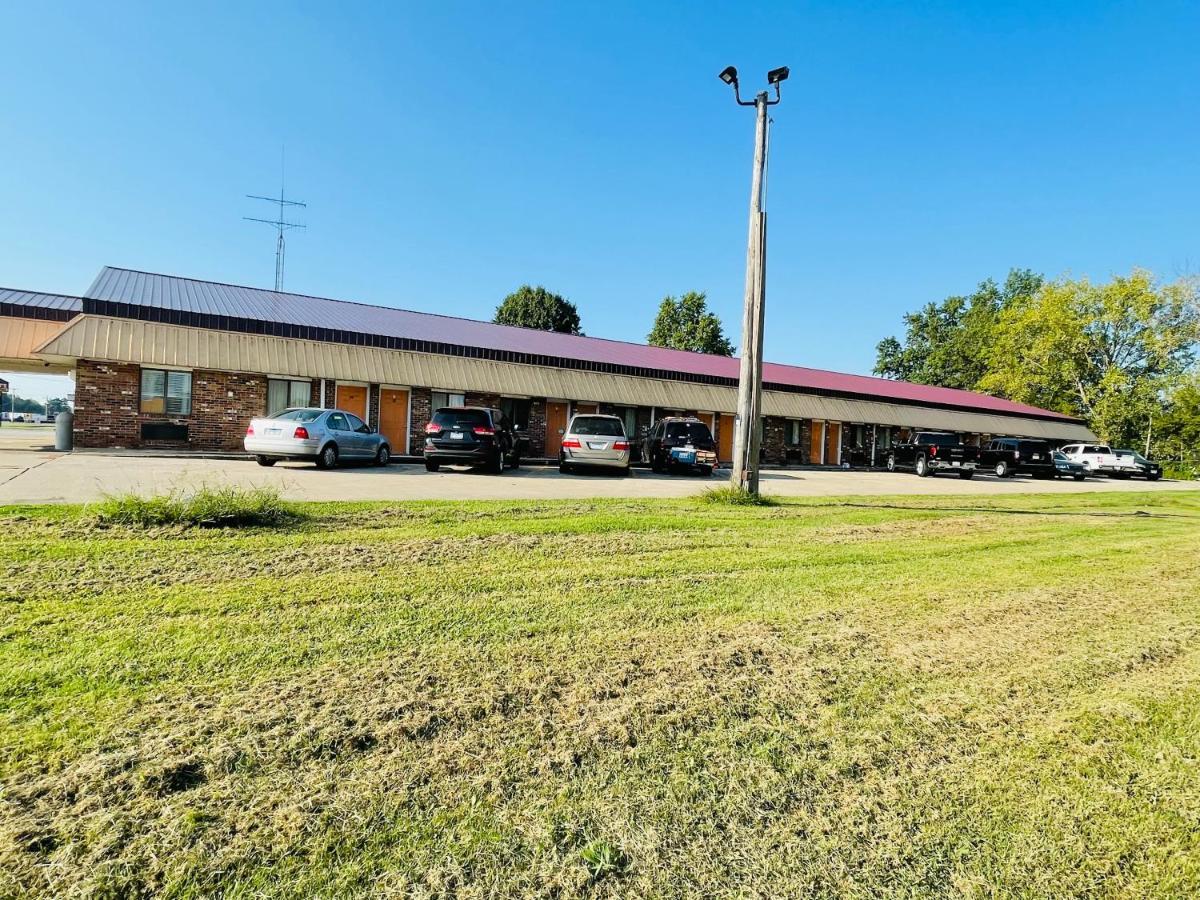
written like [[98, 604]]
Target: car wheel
[[432, 466], [496, 464], [1153, 477], [264, 460], [966, 476], [706, 471], [922, 467], [328, 457], [1079, 477], [383, 455], [1002, 469], [564, 468], [891, 463], [516, 461]]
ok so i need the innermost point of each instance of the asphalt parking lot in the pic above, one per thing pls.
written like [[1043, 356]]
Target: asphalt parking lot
[[39, 476]]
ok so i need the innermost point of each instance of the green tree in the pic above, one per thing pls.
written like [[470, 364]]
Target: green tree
[[536, 307], [948, 343], [687, 324], [1109, 353], [1176, 429]]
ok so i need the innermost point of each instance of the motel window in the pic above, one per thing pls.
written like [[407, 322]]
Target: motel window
[[516, 410], [793, 432], [628, 415], [447, 398], [166, 393], [282, 394]]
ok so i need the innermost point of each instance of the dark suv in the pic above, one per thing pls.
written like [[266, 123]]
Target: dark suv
[[1012, 456], [676, 442], [471, 436]]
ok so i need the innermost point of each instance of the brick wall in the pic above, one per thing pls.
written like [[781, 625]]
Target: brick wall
[[537, 428], [108, 408], [422, 402]]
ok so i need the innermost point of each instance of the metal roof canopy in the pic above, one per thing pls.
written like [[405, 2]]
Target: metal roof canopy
[[207, 304], [106, 339]]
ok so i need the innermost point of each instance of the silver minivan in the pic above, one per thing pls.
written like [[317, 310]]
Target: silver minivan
[[594, 441]]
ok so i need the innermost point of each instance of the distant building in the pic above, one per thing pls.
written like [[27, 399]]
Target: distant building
[[164, 361]]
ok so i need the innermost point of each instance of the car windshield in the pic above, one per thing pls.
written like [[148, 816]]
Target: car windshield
[[1034, 447], [460, 418], [941, 440], [598, 425], [1060, 457], [692, 431], [299, 415]]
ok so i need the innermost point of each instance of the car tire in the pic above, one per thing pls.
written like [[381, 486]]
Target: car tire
[[966, 476], [496, 464], [1079, 477], [265, 461], [922, 467], [432, 466], [328, 457], [1153, 477], [706, 471], [1001, 469], [564, 468], [383, 455], [891, 463], [516, 461]]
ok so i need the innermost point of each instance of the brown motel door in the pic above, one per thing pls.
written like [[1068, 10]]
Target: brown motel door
[[833, 433], [393, 418], [353, 399], [815, 437], [556, 424], [725, 439]]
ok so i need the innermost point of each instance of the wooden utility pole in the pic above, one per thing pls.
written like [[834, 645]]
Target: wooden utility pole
[[747, 435]]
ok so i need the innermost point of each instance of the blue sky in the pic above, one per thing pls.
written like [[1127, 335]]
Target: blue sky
[[450, 152]]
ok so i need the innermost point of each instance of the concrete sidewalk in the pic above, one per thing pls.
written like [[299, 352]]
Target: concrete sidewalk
[[45, 477]]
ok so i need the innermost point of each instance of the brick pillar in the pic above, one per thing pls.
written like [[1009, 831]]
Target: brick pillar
[[537, 427], [420, 413]]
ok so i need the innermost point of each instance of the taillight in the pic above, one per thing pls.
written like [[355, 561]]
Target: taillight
[[250, 429], [572, 444], [483, 429], [301, 433], [933, 450], [620, 445], [433, 428], [1016, 454]]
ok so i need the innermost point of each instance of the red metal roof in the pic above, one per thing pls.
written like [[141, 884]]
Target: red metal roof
[[186, 295]]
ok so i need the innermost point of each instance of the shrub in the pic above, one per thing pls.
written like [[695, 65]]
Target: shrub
[[221, 507], [734, 496]]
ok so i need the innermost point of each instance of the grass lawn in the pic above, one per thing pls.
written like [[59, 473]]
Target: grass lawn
[[911, 697]]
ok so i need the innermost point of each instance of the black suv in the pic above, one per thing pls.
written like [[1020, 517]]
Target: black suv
[[676, 442], [471, 436], [1010, 456]]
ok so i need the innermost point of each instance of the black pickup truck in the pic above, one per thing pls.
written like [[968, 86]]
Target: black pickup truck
[[928, 452], [1010, 456]]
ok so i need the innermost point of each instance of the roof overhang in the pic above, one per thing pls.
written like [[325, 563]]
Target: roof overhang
[[120, 340], [20, 337]]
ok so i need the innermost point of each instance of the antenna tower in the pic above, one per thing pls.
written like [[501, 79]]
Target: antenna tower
[[280, 224]]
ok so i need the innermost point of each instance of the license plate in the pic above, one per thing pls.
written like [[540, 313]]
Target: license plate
[[1035, 456], [273, 431], [685, 456], [456, 435], [592, 445], [956, 463]]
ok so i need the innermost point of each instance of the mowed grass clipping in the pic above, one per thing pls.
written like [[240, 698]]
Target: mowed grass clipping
[[917, 697]]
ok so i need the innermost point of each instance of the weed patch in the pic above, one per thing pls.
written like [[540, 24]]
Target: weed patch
[[207, 507], [728, 495]]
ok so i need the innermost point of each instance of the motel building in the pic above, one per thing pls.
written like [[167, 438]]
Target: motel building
[[177, 363]]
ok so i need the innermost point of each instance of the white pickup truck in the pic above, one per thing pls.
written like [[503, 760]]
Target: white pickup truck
[[1098, 458]]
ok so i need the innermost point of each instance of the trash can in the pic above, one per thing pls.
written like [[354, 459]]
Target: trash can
[[64, 424]]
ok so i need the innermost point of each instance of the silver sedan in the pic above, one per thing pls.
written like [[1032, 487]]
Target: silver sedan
[[322, 435], [594, 441]]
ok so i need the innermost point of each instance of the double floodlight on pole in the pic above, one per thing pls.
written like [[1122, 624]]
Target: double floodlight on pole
[[747, 435]]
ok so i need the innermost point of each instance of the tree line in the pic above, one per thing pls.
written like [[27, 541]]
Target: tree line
[[1120, 354], [682, 323]]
